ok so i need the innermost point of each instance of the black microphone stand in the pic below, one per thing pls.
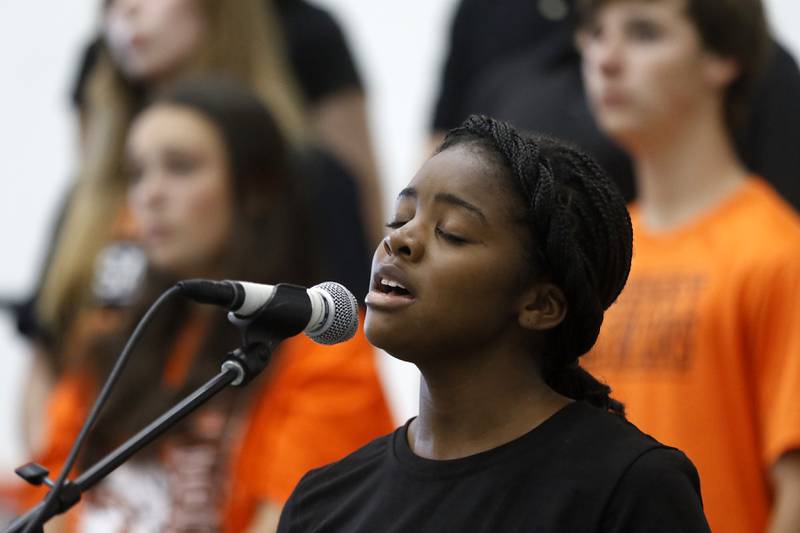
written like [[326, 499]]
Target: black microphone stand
[[239, 367]]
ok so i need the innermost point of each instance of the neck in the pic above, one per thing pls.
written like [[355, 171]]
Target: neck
[[487, 401], [683, 173]]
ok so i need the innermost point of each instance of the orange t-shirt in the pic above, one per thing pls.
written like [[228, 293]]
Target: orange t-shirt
[[703, 347], [316, 405]]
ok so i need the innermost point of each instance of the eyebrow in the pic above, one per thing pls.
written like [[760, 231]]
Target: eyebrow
[[448, 198]]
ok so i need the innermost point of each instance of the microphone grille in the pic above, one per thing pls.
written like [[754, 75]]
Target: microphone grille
[[345, 315]]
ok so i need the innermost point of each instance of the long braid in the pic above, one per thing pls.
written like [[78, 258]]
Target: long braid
[[582, 236]]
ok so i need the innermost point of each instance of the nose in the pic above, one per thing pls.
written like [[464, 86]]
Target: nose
[[402, 242], [147, 193], [126, 7], [609, 58], [603, 53]]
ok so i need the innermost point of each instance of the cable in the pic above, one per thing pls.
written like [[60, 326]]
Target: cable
[[98, 405]]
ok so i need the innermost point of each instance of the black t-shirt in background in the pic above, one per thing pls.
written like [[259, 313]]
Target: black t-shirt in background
[[582, 470], [319, 53]]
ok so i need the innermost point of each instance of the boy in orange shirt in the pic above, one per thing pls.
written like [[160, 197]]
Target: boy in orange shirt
[[703, 345]]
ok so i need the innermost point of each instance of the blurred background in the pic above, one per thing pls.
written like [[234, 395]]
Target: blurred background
[[399, 48]]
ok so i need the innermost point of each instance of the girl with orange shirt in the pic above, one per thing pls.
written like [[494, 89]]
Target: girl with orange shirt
[[213, 194]]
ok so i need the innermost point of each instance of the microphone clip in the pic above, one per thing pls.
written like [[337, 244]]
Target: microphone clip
[[280, 317], [284, 315]]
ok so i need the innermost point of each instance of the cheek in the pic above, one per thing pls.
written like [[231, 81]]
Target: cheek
[[171, 29], [117, 31], [478, 291], [590, 71], [206, 214], [179, 25], [593, 84], [667, 81], [136, 205], [477, 298]]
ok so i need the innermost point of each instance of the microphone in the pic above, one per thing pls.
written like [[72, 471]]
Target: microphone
[[327, 313]]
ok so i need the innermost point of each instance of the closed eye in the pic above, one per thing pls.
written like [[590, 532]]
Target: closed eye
[[455, 239], [396, 224]]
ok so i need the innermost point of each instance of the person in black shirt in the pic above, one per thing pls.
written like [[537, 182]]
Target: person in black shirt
[[504, 252]]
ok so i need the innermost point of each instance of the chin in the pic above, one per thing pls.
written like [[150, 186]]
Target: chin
[[388, 337], [621, 129], [375, 329], [135, 69], [144, 70]]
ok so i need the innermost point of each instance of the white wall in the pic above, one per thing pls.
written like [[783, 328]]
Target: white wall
[[398, 45], [39, 46]]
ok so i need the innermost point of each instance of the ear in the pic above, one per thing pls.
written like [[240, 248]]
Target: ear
[[543, 306], [720, 71]]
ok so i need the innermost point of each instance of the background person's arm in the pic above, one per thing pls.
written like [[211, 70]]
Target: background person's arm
[[265, 519], [785, 516]]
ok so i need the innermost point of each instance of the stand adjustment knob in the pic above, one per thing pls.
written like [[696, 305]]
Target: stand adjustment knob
[[35, 474]]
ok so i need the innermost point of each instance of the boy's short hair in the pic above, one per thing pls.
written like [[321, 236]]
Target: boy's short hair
[[735, 29]]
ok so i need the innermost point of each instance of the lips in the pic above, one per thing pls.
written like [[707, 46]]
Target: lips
[[390, 288], [156, 233], [613, 98]]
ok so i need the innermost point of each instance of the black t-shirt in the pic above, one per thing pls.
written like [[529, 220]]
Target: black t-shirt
[[581, 470], [547, 97], [318, 51], [344, 250], [481, 33]]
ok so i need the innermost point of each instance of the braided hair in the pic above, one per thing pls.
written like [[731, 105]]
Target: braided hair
[[581, 240]]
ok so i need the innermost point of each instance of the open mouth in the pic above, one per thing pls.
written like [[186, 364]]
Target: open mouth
[[387, 293], [388, 286]]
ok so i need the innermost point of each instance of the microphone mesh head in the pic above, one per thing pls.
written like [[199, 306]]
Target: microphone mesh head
[[345, 315]]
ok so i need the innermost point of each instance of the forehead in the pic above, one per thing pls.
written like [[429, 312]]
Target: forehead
[[173, 124], [594, 9], [466, 171]]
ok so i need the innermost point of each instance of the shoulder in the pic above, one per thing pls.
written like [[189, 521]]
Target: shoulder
[[769, 226], [608, 431], [368, 457], [612, 443], [321, 490], [664, 464], [771, 208], [660, 489], [598, 446], [781, 73], [297, 14], [652, 486], [772, 229], [318, 50]]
